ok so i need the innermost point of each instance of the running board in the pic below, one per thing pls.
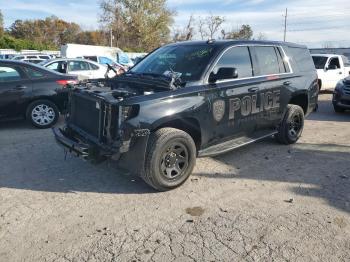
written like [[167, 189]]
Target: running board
[[233, 144]]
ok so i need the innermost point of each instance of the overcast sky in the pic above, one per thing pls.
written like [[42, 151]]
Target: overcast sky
[[314, 23]]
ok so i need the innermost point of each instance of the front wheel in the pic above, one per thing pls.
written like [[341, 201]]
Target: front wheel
[[292, 125], [42, 114], [170, 159]]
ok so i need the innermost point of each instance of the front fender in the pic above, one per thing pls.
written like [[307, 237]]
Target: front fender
[[156, 113]]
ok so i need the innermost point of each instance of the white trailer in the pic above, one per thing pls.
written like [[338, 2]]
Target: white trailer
[[114, 53]]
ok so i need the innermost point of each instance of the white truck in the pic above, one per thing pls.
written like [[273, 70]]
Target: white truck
[[331, 69], [80, 51]]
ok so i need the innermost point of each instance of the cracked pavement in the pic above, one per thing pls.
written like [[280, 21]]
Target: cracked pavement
[[264, 202]]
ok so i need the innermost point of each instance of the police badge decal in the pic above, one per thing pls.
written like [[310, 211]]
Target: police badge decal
[[218, 110]]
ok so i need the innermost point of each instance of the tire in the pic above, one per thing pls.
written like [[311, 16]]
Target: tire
[[42, 114], [338, 109], [170, 159], [292, 125]]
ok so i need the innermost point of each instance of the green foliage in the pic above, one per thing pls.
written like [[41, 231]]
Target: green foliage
[[49, 31], [137, 24], [1, 24], [9, 42]]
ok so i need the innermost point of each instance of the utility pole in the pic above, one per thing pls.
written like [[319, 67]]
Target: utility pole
[[285, 25]]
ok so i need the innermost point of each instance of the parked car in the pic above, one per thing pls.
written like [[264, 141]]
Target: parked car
[[341, 96], [107, 61], [33, 92], [32, 58], [84, 69], [330, 69], [189, 100]]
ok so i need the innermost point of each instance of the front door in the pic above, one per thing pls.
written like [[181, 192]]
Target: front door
[[14, 85], [235, 102], [334, 73]]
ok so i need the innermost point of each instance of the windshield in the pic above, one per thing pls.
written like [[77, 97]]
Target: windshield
[[320, 61], [187, 62]]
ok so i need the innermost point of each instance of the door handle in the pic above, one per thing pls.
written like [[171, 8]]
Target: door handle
[[340, 73], [253, 89], [287, 83], [20, 87]]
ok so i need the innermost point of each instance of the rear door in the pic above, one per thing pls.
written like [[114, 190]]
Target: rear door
[[273, 72], [80, 68], [15, 86]]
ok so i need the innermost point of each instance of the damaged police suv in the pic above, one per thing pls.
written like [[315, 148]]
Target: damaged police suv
[[189, 100]]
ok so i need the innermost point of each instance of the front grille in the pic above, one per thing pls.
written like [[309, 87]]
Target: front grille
[[86, 114], [347, 88]]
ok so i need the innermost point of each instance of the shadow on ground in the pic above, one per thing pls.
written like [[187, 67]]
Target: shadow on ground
[[313, 170]]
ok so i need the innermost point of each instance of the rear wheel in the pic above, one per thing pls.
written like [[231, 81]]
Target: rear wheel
[[170, 159], [42, 114], [292, 125]]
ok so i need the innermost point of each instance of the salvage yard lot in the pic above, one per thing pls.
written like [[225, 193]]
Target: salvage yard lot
[[264, 202]]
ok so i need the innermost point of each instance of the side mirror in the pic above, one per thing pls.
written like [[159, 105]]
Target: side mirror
[[223, 73]]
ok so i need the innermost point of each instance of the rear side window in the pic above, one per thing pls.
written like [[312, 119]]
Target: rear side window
[[8, 74], [78, 66], [302, 58], [34, 74], [268, 60], [320, 61], [239, 58]]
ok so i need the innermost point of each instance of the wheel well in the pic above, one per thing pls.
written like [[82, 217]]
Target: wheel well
[[300, 100], [189, 125]]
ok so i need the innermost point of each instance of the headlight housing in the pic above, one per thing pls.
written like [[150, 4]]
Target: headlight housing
[[128, 112]]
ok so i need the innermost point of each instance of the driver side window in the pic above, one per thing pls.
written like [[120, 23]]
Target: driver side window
[[334, 63], [239, 58]]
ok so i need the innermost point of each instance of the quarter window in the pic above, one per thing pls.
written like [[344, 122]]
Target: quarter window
[[8, 74], [268, 61], [239, 58], [93, 67]]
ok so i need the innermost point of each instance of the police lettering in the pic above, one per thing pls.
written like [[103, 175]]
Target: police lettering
[[249, 104]]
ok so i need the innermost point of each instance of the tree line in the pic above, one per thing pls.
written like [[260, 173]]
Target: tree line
[[136, 25]]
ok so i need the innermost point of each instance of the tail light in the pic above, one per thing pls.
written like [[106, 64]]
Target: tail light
[[65, 83]]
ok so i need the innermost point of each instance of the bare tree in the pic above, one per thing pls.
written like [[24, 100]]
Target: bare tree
[[186, 33], [209, 26], [261, 36], [213, 23]]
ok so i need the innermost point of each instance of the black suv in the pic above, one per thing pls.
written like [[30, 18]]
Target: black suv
[[192, 99], [33, 92]]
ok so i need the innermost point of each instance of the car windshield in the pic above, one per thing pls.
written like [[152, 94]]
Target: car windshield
[[186, 62], [320, 61]]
